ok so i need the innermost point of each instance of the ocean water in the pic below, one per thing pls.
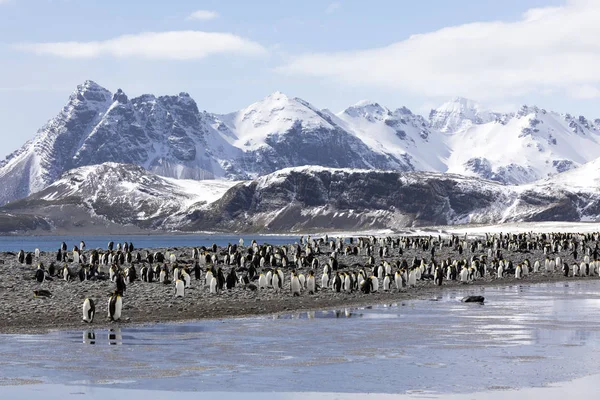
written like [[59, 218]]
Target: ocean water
[[52, 243], [526, 340]]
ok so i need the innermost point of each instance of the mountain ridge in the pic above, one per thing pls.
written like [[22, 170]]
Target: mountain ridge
[[171, 136]]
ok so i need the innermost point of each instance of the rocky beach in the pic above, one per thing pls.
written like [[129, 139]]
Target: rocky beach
[[144, 303]]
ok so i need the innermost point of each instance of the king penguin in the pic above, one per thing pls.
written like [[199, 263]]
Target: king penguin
[[89, 310], [115, 306], [179, 288]]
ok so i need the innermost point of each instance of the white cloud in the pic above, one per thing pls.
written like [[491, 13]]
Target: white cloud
[[176, 45], [333, 7], [548, 49], [201, 15]]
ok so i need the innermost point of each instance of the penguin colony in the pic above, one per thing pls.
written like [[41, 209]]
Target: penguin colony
[[357, 266]]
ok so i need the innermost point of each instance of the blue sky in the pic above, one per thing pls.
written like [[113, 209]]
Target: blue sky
[[331, 53]]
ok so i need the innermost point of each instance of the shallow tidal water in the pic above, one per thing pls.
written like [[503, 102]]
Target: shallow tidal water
[[526, 339]]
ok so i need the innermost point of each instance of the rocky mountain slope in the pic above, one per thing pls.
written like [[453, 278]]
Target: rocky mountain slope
[[169, 136], [298, 199]]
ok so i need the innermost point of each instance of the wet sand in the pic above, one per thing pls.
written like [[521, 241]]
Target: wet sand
[[145, 303]]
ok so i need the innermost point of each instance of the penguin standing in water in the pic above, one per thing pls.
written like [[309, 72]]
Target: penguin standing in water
[[179, 288], [115, 306], [89, 310]]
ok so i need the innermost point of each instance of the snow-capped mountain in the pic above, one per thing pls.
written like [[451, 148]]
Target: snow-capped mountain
[[122, 194], [298, 199], [166, 135], [460, 114], [279, 132], [171, 137], [399, 134], [529, 145]]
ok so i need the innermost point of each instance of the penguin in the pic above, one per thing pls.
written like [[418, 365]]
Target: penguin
[[325, 280], [367, 285], [262, 281], [302, 280], [179, 288], [439, 276], [269, 277], [280, 273], [121, 286], [37, 253], [275, 282], [295, 284], [89, 310], [387, 283], [519, 272], [185, 277], [213, 286], [412, 277], [40, 275], [311, 285], [21, 256], [398, 280], [115, 306], [144, 273], [197, 271], [231, 279], [375, 284], [66, 274], [337, 282], [347, 283]]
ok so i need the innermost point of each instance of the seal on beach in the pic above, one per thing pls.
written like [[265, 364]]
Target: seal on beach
[[115, 306], [473, 299], [89, 310], [42, 293]]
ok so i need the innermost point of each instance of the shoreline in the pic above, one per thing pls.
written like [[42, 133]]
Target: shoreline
[[250, 308]]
